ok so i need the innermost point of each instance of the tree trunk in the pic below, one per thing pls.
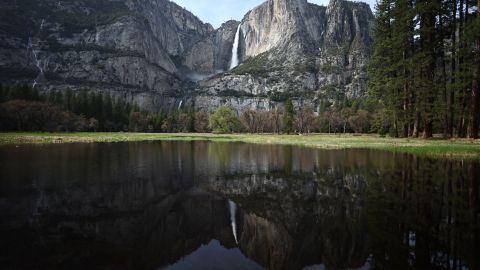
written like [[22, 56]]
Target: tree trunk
[[475, 99], [414, 116], [451, 100], [461, 128], [406, 101], [474, 121], [443, 78], [416, 127], [428, 129], [427, 29]]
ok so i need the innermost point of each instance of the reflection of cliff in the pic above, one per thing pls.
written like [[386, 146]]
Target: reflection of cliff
[[152, 205], [292, 221], [155, 235], [284, 221], [151, 233], [271, 245]]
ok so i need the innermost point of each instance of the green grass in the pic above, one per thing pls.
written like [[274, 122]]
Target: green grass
[[451, 149]]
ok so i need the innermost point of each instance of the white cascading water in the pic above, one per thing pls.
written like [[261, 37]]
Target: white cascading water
[[235, 47], [38, 62], [233, 218], [180, 104]]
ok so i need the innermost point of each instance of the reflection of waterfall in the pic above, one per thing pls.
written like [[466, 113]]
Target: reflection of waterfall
[[233, 218], [235, 47]]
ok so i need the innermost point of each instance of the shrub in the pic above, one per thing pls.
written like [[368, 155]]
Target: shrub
[[359, 122], [224, 120], [256, 66], [201, 122]]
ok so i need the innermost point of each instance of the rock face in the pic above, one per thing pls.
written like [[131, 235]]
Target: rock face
[[275, 23], [295, 49], [146, 51], [156, 54]]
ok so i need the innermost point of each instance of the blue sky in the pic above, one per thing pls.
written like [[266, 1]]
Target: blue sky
[[217, 12]]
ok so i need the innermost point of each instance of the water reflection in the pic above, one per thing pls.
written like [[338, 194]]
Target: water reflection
[[200, 205], [233, 218]]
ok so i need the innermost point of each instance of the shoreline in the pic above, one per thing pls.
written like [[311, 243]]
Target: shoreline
[[434, 148]]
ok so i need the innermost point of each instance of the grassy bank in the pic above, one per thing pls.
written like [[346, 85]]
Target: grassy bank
[[458, 149]]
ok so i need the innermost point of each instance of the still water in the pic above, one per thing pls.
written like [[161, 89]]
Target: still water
[[204, 205]]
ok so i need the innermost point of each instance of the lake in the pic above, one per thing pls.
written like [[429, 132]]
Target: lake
[[205, 205]]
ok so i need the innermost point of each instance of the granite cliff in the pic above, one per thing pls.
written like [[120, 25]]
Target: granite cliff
[[160, 56], [292, 48]]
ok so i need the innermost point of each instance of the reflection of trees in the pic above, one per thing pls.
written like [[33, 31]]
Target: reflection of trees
[[422, 215], [153, 203]]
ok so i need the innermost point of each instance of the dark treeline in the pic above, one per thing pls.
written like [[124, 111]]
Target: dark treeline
[[25, 109], [425, 66]]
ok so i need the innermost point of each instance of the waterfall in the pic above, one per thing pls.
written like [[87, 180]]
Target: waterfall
[[37, 61], [233, 219], [235, 47], [180, 104]]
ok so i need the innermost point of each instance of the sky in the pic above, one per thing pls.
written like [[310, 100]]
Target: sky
[[217, 12]]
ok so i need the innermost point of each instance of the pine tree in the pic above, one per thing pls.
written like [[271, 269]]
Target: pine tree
[[68, 101], [453, 60], [2, 94], [25, 92], [191, 122], [91, 105], [98, 112], [107, 107], [135, 108], [443, 80], [81, 103], [462, 71], [121, 112], [475, 98], [401, 57], [428, 10], [59, 98], [383, 67], [51, 96], [288, 117], [35, 95], [6, 93]]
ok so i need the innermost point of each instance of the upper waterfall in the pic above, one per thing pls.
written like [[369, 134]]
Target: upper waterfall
[[234, 61]]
